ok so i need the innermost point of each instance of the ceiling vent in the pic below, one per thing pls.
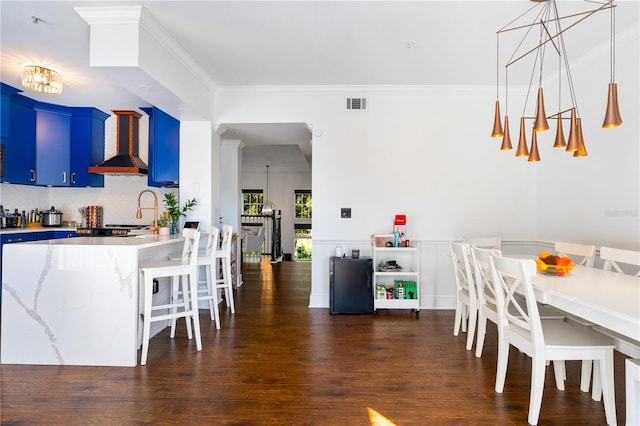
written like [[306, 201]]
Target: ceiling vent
[[356, 103]]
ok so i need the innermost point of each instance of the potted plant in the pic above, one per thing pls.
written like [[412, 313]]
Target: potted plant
[[175, 211], [164, 225]]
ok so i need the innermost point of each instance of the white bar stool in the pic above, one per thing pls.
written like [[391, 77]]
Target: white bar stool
[[224, 255], [206, 287], [632, 383], [186, 267]]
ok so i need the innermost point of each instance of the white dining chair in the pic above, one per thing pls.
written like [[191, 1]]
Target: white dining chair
[[614, 260], [182, 272], [485, 242], [485, 293], [613, 257], [543, 341], [466, 299], [225, 282], [580, 254], [487, 305]]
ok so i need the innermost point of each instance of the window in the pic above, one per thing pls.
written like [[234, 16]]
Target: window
[[303, 241], [303, 204], [252, 200]]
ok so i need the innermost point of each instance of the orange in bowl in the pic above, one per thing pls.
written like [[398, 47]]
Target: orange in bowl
[[554, 269]]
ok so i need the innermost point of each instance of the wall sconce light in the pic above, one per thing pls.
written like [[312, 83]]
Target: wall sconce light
[[42, 79]]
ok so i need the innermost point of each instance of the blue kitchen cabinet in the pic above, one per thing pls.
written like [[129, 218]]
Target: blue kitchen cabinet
[[164, 149], [50, 144], [6, 92], [87, 146], [20, 150], [53, 145]]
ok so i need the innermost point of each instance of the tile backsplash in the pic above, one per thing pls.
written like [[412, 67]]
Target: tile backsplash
[[119, 199]]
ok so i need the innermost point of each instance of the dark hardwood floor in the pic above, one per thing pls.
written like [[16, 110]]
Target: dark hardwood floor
[[276, 362]]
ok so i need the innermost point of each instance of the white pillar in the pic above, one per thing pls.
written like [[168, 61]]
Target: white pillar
[[230, 191]]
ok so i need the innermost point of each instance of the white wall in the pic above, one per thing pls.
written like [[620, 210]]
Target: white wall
[[424, 152], [596, 199]]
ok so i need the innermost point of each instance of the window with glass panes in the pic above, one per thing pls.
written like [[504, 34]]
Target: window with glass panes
[[303, 204], [252, 200]]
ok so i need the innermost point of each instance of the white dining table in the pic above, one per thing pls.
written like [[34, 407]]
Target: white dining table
[[608, 299]]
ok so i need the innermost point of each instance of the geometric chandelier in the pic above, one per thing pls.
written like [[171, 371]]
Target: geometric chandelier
[[42, 79], [547, 31]]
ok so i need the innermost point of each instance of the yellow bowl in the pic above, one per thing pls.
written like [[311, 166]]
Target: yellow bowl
[[553, 269]]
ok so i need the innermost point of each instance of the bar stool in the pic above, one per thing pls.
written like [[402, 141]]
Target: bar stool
[[224, 255], [206, 288], [185, 268]]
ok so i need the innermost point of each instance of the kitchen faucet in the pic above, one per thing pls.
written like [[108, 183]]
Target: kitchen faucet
[[154, 228]]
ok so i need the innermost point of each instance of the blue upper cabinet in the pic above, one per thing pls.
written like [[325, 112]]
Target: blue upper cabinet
[[53, 144], [20, 151], [164, 149], [6, 92], [87, 146], [49, 144]]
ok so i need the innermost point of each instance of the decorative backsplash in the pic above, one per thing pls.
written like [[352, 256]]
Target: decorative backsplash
[[119, 198]]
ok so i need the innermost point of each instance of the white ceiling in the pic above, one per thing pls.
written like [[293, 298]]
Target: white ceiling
[[246, 43]]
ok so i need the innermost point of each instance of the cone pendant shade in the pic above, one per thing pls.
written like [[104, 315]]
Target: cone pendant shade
[[582, 150], [506, 141], [541, 117], [560, 141], [612, 115], [522, 150], [534, 156], [497, 125], [573, 144]]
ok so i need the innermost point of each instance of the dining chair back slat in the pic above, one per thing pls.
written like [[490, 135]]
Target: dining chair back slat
[[485, 242], [580, 254], [487, 310], [466, 299], [613, 257]]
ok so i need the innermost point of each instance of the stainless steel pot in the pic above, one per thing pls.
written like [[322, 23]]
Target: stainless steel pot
[[51, 217]]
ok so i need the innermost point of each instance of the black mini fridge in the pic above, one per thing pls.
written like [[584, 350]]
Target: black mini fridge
[[350, 290]]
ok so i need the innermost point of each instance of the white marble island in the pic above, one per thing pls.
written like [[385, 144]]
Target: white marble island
[[75, 301]]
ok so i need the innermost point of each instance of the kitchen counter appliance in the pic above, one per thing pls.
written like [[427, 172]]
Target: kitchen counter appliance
[[107, 231], [52, 217]]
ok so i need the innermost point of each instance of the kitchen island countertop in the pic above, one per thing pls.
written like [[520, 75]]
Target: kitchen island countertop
[[76, 301]]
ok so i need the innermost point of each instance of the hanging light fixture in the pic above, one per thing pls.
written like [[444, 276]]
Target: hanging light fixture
[[612, 115], [42, 79], [267, 206], [550, 34]]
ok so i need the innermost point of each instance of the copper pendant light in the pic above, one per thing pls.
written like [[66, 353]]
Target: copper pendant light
[[522, 150], [612, 115], [560, 141], [582, 150], [574, 142], [541, 117], [534, 156], [552, 27], [506, 141], [497, 125]]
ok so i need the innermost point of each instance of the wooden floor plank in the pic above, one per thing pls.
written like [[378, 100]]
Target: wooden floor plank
[[277, 362]]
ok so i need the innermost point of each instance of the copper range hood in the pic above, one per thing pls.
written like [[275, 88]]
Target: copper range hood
[[126, 160]]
